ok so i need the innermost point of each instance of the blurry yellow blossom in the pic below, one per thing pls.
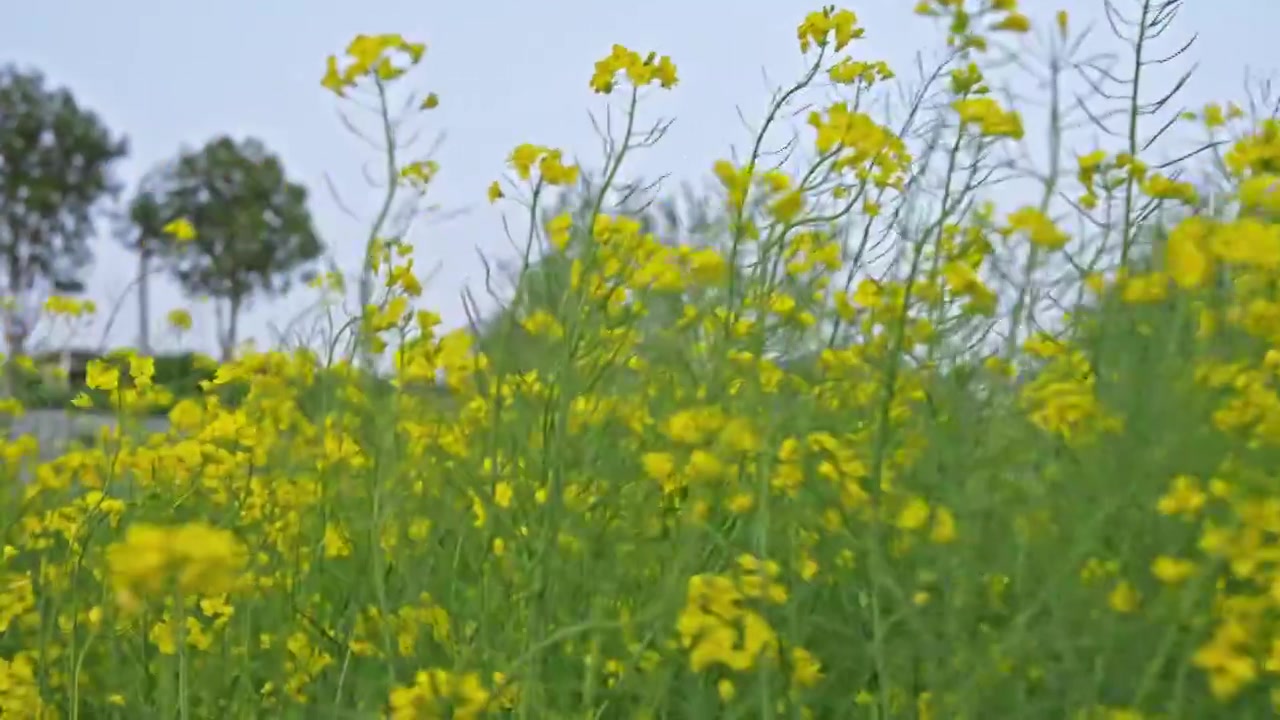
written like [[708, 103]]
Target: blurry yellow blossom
[[191, 558], [180, 319], [181, 230], [102, 375]]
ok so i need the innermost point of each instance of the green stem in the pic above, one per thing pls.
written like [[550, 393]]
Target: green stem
[[180, 643]]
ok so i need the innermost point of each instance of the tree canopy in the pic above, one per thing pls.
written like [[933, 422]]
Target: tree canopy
[[253, 229], [56, 172]]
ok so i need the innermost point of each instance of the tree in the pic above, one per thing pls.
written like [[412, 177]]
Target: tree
[[56, 162], [253, 230], [142, 231]]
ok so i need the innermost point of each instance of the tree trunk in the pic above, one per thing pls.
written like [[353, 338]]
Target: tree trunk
[[230, 337], [144, 301]]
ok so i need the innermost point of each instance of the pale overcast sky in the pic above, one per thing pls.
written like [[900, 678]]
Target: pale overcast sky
[[170, 74]]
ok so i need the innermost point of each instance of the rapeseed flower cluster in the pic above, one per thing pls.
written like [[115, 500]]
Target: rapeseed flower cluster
[[718, 628], [638, 71], [195, 558]]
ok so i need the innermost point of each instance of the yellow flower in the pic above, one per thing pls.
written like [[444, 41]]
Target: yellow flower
[[1037, 227], [332, 79], [141, 370], [1014, 22], [371, 56], [806, 671], [1185, 497], [944, 526], [102, 375], [1227, 661], [788, 207], [1124, 598], [431, 102], [179, 319], [819, 27], [558, 230], [502, 494], [441, 693], [181, 230], [639, 71], [548, 161], [659, 466], [495, 192], [1261, 192], [1161, 187], [336, 543], [193, 559], [1187, 257], [1172, 570], [707, 266], [725, 689], [991, 119], [1213, 116], [914, 515]]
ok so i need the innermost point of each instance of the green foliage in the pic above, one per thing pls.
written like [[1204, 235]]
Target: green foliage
[[56, 162], [182, 373], [36, 392], [254, 229], [142, 225]]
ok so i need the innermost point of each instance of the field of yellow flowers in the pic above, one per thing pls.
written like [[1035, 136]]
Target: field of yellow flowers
[[938, 511]]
